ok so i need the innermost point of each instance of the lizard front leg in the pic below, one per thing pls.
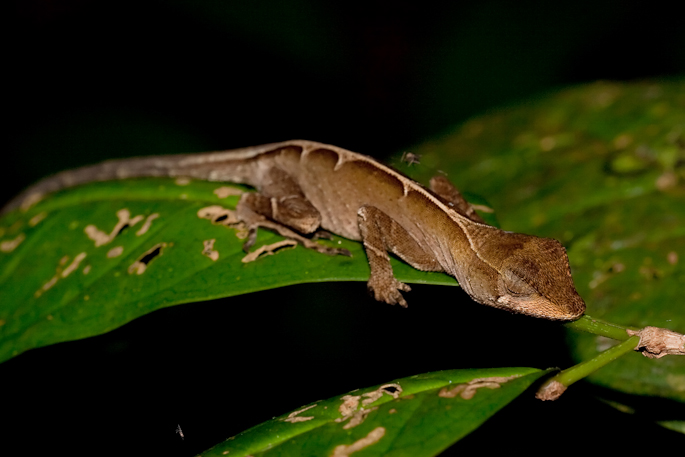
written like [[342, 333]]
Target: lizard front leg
[[380, 234], [451, 195]]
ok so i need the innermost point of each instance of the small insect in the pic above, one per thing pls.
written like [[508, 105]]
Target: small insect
[[179, 431], [411, 158]]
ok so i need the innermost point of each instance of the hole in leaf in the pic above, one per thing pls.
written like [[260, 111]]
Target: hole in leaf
[[150, 255]]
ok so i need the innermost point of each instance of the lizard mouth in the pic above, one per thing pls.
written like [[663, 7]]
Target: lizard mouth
[[538, 306]]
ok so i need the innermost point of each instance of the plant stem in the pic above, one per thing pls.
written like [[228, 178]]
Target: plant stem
[[599, 327], [583, 369], [556, 385]]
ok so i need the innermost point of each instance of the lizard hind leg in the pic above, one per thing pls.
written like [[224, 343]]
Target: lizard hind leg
[[280, 206], [248, 211], [292, 211]]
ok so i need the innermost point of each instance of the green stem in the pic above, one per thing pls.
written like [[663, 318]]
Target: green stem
[[599, 327], [583, 369]]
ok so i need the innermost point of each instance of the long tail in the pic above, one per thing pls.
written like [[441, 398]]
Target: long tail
[[105, 171], [236, 165]]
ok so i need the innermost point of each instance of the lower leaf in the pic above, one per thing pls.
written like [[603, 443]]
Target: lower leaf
[[418, 416]]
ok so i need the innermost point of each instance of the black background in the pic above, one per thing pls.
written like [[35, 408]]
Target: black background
[[88, 80]]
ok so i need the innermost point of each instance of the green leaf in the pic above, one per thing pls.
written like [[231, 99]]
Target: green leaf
[[59, 284], [416, 416], [601, 168]]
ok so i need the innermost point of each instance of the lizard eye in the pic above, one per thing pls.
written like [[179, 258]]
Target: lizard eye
[[515, 293], [511, 284]]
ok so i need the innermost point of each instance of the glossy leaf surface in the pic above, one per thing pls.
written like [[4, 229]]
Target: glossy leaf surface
[[89, 259], [414, 417]]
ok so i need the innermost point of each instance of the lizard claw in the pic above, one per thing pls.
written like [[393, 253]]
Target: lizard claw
[[339, 251], [251, 238]]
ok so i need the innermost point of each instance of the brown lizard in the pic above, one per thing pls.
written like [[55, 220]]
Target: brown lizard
[[303, 186]]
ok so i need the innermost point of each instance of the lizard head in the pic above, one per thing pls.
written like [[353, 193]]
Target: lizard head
[[533, 276]]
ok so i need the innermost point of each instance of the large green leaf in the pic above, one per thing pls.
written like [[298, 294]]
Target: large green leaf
[[415, 417], [602, 168], [599, 167], [59, 284]]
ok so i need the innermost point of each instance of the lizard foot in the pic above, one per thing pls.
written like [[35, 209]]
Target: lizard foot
[[253, 221], [322, 235], [388, 291]]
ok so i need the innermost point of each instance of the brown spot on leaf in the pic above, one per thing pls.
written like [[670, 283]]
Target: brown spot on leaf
[[74, 264], [268, 249], [218, 215], [349, 405], [223, 216], [394, 390], [47, 286], [672, 257], [208, 249], [139, 266], [182, 181], [346, 450], [115, 252], [10, 245], [294, 416], [359, 417], [225, 191], [468, 390], [35, 220], [101, 238], [61, 273], [146, 225]]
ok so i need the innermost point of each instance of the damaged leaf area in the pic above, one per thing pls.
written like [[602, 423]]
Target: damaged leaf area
[[623, 227], [409, 417], [88, 259], [140, 265], [469, 389], [268, 249]]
